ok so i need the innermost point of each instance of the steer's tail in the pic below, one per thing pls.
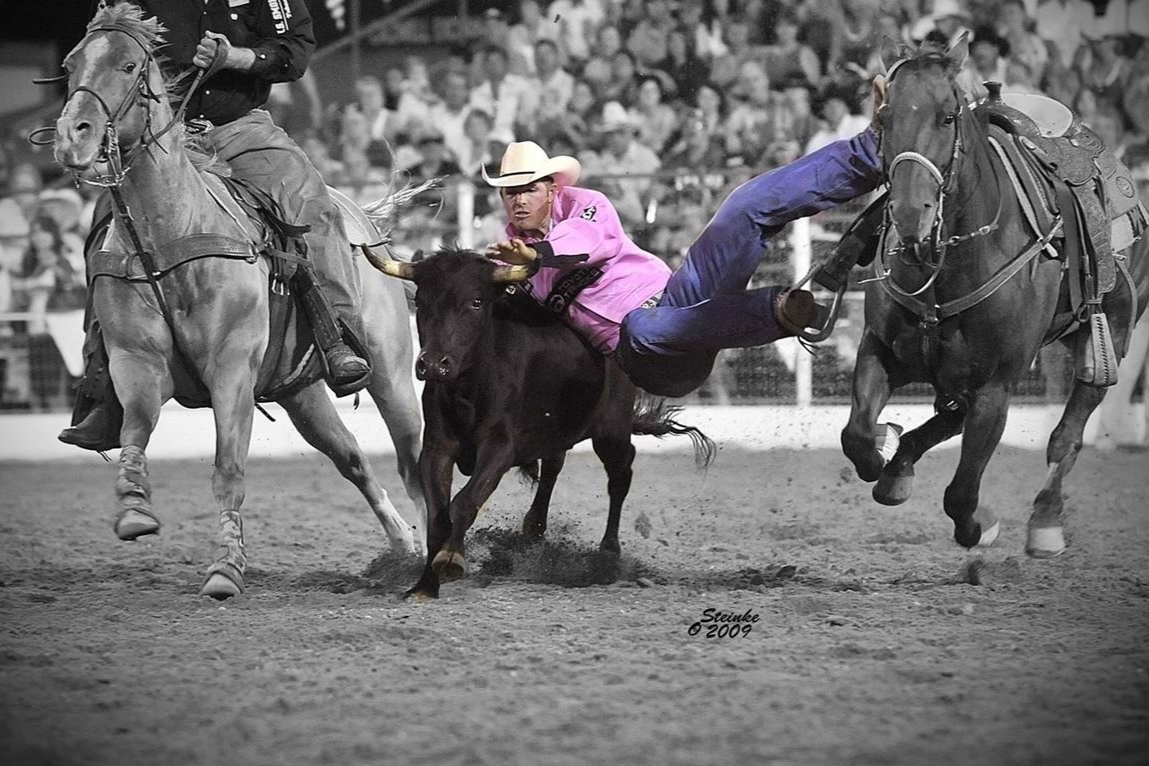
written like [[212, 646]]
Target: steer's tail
[[654, 417]]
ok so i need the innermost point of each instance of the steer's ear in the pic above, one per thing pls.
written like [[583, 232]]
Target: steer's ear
[[388, 266], [512, 273]]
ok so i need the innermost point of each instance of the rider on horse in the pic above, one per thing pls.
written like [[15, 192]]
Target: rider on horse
[[259, 42]]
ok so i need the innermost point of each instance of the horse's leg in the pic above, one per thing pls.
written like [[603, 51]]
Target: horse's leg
[[394, 394], [233, 406], [535, 520], [1045, 537], [436, 469], [142, 385], [869, 394], [617, 456], [984, 425], [896, 482], [314, 415]]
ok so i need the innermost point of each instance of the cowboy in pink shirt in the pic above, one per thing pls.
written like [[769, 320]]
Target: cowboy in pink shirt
[[666, 328]]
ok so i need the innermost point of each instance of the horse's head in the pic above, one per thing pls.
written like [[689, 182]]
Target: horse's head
[[921, 135], [456, 293], [113, 82]]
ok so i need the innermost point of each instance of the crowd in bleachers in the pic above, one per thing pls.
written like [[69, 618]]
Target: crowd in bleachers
[[667, 103]]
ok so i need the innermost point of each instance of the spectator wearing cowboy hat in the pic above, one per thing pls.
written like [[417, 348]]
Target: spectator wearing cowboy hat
[[666, 328], [623, 168]]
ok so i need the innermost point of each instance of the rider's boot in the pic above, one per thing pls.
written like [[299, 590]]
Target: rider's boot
[[97, 415], [347, 371]]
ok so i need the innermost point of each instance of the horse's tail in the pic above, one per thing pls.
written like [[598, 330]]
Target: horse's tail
[[654, 417], [385, 212]]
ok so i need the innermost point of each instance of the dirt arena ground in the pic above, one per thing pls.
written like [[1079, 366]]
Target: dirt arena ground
[[871, 646]]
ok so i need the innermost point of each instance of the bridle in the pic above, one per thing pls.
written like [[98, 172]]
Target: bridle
[[946, 184]]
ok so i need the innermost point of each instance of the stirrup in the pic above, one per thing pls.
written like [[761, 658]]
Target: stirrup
[[825, 317]]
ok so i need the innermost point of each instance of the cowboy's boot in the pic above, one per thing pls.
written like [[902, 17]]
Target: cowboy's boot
[[97, 415], [347, 372]]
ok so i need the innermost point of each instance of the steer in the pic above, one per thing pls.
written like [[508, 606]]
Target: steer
[[508, 384]]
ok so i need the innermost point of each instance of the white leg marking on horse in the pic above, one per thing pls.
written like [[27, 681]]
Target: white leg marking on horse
[[1045, 542], [887, 443], [989, 535]]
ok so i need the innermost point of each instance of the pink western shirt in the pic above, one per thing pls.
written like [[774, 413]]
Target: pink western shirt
[[584, 221]]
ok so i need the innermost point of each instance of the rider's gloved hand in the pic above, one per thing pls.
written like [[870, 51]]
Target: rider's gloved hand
[[234, 57]]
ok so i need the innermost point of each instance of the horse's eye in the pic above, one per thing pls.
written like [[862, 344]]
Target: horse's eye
[[477, 303], [130, 67], [949, 119]]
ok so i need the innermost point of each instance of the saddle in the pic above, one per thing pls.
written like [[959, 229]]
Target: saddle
[[1061, 167], [292, 359]]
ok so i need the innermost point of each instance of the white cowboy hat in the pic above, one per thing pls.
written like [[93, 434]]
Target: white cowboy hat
[[945, 9], [525, 162], [615, 117]]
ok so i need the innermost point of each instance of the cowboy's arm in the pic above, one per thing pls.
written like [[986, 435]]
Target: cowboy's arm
[[282, 49], [590, 236]]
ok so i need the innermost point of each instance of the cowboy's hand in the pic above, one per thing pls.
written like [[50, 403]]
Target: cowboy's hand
[[512, 251], [234, 57], [879, 98]]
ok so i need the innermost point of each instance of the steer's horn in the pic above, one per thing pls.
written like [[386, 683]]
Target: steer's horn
[[392, 268], [511, 273]]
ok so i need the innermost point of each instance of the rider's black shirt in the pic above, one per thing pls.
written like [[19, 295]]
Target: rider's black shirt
[[279, 31]]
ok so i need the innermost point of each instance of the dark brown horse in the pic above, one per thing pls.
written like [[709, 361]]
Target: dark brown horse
[[964, 296]]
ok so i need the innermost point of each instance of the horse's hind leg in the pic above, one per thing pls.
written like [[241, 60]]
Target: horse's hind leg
[[315, 417], [1045, 537], [535, 520], [984, 425]]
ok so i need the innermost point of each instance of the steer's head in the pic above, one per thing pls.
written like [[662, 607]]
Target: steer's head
[[455, 292]]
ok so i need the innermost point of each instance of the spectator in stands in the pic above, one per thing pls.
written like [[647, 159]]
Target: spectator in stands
[[370, 125], [790, 125], [66, 207], [688, 71], [526, 33], [703, 24], [502, 95], [14, 230], [480, 147], [623, 83], [1025, 47], [24, 184], [745, 128], [623, 168], [698, 144], [577, 21], [726, 68], [648, 41], [333, 171], [948, 20], [551, 87], [655, 119], [449, 114], [1104, 66], [789, 57], [44, 269], [1060, 23], [988, 53], [576, 122], [1061, 82], [838, 122]]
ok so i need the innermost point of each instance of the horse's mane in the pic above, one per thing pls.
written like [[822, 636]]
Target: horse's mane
[[929, 54], [150, 31]]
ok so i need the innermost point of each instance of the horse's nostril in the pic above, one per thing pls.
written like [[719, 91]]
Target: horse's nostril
[[445, 365]]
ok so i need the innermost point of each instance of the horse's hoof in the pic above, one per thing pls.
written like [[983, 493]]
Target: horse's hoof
[[989, 535], [133, 523], [449, 565], [1045, 542], [893, 490], [220, 587], [420, 596]]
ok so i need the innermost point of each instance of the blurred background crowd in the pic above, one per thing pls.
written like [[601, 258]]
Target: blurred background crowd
[[668, 104]]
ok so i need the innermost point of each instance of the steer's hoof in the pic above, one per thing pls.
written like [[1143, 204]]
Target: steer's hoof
[[133, 523], [449, 565]]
